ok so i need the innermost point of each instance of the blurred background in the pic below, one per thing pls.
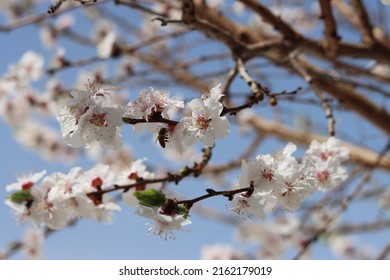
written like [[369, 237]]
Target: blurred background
[[155, 51]]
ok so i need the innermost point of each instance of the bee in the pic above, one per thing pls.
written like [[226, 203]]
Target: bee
[[163, 136]]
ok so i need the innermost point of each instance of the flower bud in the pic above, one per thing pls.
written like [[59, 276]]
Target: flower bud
[[21, 196], [273, 101], [150, 198]]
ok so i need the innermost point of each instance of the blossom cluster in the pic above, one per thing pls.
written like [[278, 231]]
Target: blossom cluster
[[59, 198], [281, 179], [16, 94], [56, 200], [90, 116], [19, 102]]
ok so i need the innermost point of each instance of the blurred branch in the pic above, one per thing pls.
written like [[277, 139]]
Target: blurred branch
[[33, 19], [385, 252], [357, 155], [361, 227], [332, 38], [137, 6], [287, 31], [350, 98], [364, 22]]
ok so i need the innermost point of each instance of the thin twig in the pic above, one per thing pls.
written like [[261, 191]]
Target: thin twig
[[257, 90], [210, 193], [195, 170], [228, 81], [328, 111]]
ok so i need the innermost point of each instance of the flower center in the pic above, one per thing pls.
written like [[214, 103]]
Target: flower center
[[267, 173], [326, 154], [98, 120], [323, 176], [161, 229], [290, 188], [202, 122], [68, 187], [46, 207], [241, 205]]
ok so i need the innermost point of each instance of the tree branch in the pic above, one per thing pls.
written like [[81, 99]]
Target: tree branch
[[364, 22], [332, 38]]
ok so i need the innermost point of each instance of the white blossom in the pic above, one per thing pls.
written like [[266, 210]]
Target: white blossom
[[331, 149], [48, 208], [248, 205], [32, 244], [214, 95], [136, 171], [205, 123], [149, 103], [294, 188], [329, 175], [220, 252], [102, 124], [19, 211], [90, 117], [44, 140], [266, 171], [68, 188], [99, 207], [163, 225], [142, 107], [152, 101], [274, 237], [163, 102], [15, 110], [26, 181], [170, 137], [30, 66]]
